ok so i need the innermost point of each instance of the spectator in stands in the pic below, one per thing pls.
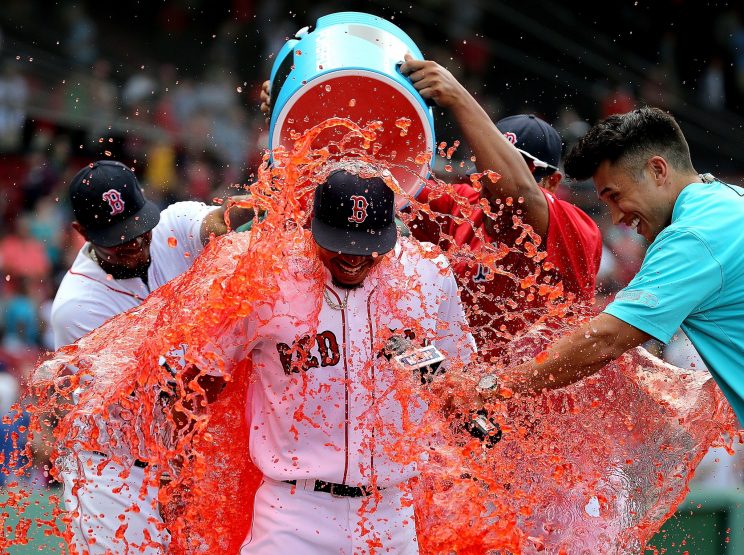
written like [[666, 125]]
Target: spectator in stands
[[12, 428], [103, 101], [45, 225], [22, 255], [21, 318], [13, 100], [40, 179], [80, 43]]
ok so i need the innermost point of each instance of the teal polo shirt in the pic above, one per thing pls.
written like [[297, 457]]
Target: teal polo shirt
[[692, 278]]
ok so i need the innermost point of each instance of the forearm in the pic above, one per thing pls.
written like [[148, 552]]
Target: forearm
[[568, 361], [576, 356], [190, 392], [239, 211], [492, 150], [236, 210]]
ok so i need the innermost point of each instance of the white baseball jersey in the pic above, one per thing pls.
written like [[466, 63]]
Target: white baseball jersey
[[321, 393], [87, 297]]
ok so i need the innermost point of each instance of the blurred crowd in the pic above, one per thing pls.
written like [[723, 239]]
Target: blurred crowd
[[188, 121]]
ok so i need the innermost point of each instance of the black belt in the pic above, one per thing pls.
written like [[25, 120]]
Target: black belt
[[138, 463], [339, 490]]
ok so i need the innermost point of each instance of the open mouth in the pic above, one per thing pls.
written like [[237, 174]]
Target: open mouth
[[351, 271]]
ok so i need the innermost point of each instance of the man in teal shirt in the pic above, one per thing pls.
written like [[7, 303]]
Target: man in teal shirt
[[693, 273]]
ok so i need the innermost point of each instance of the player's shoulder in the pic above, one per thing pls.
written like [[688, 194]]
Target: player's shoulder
[[79, 300], [85, 284], [423, 255], [185, 211], [441, 196], [566, 214], [78, 291], [82, 275]]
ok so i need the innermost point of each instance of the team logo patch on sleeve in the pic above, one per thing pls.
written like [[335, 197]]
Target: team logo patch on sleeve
[[358, 209], [113, 197], [481, 274], [638, 297]]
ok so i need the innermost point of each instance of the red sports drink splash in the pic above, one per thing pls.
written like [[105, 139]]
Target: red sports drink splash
[[595, 467]]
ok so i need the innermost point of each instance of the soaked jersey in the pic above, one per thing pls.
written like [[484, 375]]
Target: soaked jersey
[[325, 403], [508, 281]]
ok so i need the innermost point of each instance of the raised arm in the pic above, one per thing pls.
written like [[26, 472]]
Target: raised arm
[[493, 151], [214, 222], [575, 356]]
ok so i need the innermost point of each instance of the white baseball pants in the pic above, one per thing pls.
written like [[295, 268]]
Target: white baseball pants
[[111, 514], [295, 520]]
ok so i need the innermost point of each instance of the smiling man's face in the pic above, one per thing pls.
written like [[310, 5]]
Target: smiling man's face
[[636, 200], [347, 270]]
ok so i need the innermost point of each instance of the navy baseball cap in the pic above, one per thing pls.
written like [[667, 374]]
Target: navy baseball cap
[[538, 141], [109, 204], [354, 215]]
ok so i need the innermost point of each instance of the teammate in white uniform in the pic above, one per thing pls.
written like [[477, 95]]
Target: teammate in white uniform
[[324, 408], [132, 249]]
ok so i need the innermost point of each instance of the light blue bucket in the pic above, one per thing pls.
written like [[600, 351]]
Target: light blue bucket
[[348, 66]]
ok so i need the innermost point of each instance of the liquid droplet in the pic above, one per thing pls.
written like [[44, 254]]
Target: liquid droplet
[[403, 124]]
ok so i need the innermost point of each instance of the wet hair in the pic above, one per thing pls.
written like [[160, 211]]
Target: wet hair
[[630, 139]]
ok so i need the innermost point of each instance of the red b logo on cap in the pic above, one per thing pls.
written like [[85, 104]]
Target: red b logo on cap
[[113, 197], [511, 137], [359, 209]]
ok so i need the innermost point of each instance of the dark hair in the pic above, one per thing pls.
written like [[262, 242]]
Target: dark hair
[[632, 137]]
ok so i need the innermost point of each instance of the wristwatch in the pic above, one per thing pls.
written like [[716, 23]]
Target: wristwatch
[[487, 383]]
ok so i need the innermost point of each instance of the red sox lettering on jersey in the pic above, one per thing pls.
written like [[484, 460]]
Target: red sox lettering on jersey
[[359, 209], [297, 358], [113, 197], [481, 274]]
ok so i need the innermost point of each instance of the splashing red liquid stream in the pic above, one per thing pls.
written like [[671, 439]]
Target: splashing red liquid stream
[[596, 466]]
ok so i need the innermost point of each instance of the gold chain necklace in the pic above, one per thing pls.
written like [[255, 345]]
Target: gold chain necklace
[[333, 304]]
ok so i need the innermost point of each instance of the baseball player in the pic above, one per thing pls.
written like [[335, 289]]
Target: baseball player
[[330, 484], [132, 248], [526, 152]]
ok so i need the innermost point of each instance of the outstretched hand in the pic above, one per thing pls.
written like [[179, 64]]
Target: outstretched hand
[[433, 82]]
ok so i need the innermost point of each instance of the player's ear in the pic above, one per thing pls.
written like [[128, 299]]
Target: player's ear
[[659, 169]]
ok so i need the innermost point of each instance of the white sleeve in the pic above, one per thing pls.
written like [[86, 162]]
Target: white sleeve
[[183, 221], [74, 319]]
